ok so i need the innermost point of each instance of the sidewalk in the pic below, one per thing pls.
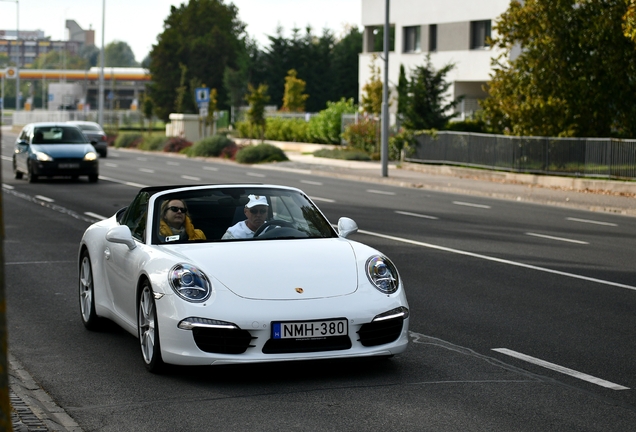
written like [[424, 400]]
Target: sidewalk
[[594, 195]]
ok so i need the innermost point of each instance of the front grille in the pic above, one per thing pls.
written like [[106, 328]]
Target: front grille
[[381, 332], [222, 341], [287, 346]]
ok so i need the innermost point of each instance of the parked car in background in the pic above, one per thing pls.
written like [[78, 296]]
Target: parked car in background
[[298, 289], [52, 150], [95, 135]]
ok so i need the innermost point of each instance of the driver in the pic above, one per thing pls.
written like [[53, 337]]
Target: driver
[[256, 212]]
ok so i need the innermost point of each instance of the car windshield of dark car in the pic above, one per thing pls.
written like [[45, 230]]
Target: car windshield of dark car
[[290, 214], [58, 135]]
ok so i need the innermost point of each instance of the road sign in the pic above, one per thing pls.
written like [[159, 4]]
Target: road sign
[[10, 72], [203, 112], [202, 95]]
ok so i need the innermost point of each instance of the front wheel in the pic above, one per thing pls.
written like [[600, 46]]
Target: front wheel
[[87, 293], [148, 329], [31, 178], [92, 178], [16, 174]]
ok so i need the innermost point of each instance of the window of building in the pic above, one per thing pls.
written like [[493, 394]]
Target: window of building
[[375, 38], [432, 37], [479, 33], [412, 39]]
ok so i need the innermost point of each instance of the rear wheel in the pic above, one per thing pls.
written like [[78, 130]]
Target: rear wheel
[[148, 329], [16, 174], [87, 293]]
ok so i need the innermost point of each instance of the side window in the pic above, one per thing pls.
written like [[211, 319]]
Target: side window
[[137, 215]]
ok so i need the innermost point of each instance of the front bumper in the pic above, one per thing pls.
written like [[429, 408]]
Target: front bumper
[[65, 167]]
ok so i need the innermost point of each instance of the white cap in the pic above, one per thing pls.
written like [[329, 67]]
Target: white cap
[[256, 200]]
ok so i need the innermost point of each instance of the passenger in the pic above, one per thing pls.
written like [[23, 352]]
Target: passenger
[[175, 224], [256, 212]]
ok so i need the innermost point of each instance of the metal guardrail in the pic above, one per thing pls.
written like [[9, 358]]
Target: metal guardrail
[[584, 157]]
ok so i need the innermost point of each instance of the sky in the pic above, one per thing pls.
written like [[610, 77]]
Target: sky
[[138, 22]]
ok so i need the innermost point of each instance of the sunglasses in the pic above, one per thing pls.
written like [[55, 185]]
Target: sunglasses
[[178, 209], [257, 211]]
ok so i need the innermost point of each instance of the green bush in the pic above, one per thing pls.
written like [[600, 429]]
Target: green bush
[[469, 125], [326, 126], [153, 143], [176, 145], [260, 153], [128, 140], [345, 154], [363, 136], [287, 129], [210, 146]]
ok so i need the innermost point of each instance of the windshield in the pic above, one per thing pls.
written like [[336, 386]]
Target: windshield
[[58, 135], [237, 214]]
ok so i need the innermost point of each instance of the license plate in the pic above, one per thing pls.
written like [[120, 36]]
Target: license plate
[[68, 166], [309, 329]]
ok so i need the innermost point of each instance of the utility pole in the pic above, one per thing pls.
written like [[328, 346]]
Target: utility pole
[[385, 98], [100, 96]]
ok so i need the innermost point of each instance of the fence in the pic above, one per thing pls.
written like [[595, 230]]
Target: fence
[[585, 157]]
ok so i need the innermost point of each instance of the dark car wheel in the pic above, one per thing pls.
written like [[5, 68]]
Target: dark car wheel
[[31, 178], [87, 293], [148, 329], [16, 174]]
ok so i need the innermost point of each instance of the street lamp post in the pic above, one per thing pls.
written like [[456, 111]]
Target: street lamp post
[[385, 98], [17, 67], [100, 116]]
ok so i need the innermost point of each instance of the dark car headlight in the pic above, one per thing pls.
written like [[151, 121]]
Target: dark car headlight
[[90, 156], [382, 274], [43, 157], [189, 283]]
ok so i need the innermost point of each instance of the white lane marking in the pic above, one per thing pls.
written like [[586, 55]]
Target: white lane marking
[[142, 159], [6, 186], [127, 183], [209, 168], [110, 164], [556, 238], [95, 215], [146, 170], [43, 198], [415, 215], [591, 221], [561, 369], [379, 192], [310, 182], [467, 204], [7, 158], [499, 260], [313, 198], [186, 177], [251, 174], [173, 163]]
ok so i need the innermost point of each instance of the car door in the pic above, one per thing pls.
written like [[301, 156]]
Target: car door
[[21, 152], [123, 265]]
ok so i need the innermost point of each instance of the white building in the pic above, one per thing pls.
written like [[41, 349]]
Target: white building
[[452, 31]]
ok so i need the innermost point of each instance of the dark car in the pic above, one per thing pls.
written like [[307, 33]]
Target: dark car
[[54, 149], [95, 135]]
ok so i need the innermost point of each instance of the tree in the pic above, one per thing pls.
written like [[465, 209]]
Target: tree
[[4, 61], [90, 53], [119, 54], [426, 93], [182, 90], [147, 108], [575, 74], [343, 78], [371, 101], [59, 60], [294, 97], [402, 91], [204, 35], [234, 83], [257, 98]]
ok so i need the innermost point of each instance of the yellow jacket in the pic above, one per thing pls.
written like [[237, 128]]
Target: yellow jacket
[[193, 234]]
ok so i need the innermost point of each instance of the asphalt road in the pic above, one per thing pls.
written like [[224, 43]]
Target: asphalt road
[[496, 289]]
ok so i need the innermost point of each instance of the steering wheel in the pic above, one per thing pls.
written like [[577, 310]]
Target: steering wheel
[[272, 223]]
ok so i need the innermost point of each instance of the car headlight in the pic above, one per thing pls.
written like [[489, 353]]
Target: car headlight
[[189, 283], [90, 156], [43, 157], [382, 274]]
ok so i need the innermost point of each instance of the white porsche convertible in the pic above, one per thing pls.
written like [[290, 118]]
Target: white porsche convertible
[[296, 289]]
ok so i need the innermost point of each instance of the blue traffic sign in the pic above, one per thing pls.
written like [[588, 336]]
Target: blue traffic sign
[[202, 95]]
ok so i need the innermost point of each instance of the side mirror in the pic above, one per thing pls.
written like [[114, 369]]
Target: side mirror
[[121, 234], [346, 227]]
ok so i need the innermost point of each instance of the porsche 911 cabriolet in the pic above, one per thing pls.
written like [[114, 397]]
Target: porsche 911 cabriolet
[[165, 269]]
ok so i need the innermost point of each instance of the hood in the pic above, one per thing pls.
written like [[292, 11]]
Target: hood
[[63, 150], [276, 269]]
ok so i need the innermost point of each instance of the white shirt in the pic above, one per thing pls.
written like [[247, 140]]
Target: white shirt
[[238, 231]]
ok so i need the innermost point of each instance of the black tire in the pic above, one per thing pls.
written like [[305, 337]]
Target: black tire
[[87, 293], [16, 174], [31, 178], [92, 178], [148, 330]]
